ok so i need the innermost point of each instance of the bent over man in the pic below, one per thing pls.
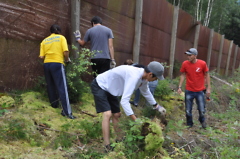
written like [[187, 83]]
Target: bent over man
[[122, 81]]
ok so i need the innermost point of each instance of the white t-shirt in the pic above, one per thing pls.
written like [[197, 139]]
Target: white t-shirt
[[122, 81]]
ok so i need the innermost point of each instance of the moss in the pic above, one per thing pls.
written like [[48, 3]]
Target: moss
[[7, 100], [154, 139]]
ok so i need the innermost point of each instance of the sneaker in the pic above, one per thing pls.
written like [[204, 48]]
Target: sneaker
[[189, 126], [132, 102], [70, 116], [204, 125], [108, 148]]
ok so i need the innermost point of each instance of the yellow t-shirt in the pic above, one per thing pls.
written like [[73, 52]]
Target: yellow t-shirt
[[53, 48]]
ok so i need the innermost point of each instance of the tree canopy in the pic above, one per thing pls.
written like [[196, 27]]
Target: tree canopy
[[221, 15]]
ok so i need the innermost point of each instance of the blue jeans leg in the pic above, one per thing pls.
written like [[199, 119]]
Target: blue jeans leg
[[201, 106], [137, 96], [189, 96], [200, 100]]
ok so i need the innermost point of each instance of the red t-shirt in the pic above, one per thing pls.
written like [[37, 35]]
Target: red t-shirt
[[195, 75]]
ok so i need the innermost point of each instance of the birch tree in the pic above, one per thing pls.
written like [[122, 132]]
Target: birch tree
[[197, 10], [208, 12]]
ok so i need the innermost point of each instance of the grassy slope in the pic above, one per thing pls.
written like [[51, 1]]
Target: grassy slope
[[32, 129]]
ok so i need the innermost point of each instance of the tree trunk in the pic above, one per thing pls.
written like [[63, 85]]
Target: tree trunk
[[208, 13], [197, 10]]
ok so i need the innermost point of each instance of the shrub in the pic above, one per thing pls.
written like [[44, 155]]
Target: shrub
[[163, 89], [78, 67]]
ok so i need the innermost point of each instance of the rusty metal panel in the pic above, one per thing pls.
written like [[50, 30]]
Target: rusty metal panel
[[121, 25], [155, 45], [226, 46], [204, 36], [23, 24], [31, 20], [186, 26], [158, 14]]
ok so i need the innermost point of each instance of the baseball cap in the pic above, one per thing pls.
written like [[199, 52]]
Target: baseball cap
[[157, 69], [192, 51]]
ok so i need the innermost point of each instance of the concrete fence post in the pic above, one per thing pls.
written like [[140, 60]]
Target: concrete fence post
[[75, 24], [173, 41], [220, 54], [210, 48], [235, 59], [195, 45], [228, 58], [138, 27]]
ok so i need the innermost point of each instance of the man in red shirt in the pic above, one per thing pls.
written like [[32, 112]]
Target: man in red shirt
[[195, 71]]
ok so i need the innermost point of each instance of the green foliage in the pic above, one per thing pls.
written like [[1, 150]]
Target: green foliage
[[64, 140], [6, 101], [92, 129], [90, 154], [15, 129], [143, 139], [77, 68], [163, 89]]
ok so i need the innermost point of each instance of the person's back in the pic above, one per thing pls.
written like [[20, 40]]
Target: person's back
[[99, 36], [52, 47]]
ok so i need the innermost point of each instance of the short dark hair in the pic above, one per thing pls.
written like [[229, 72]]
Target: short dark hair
[[96, 20], [55, 29], [142, 66]]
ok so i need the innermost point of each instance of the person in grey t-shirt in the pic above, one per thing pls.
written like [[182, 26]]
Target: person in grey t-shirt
[[101, 39]]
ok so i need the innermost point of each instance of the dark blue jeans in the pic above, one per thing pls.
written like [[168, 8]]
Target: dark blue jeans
[[200, 100], [152, 86]]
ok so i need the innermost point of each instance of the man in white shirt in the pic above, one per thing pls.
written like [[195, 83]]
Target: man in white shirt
[[122, 81]]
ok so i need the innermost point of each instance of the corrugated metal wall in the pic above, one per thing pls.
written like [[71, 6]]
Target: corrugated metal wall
[[25, 23]]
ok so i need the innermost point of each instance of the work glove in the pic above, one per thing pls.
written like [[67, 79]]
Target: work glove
[[77, 35], [68, 61], [161, 109], [112, 64]]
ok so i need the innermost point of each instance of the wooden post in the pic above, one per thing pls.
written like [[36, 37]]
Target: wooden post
[[173, 41], [210, 48], [228, 59], [75, 24], [235, 59], [138, 27], [195, 45], [220, 55]]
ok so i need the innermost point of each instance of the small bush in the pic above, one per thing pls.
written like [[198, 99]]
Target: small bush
[[78, 67], [163, 89]]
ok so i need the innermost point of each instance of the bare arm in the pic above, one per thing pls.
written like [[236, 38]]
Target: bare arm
[[66, 55], [111, 49], [208, 91], [133, 117], [42, 57], [182, 78], [81, 42]]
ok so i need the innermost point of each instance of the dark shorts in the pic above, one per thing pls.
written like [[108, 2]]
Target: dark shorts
[[104, 101], [100, 66]]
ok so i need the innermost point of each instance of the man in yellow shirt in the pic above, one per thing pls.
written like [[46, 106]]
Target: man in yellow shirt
[[54, 52]]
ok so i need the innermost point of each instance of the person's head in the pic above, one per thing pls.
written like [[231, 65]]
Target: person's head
[[128, 62], [155, 71], [96, 20], [55, 29], [192, 54]]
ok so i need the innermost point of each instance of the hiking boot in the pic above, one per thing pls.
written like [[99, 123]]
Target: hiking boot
[[108, 148], [132, 102], [204, 125]]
